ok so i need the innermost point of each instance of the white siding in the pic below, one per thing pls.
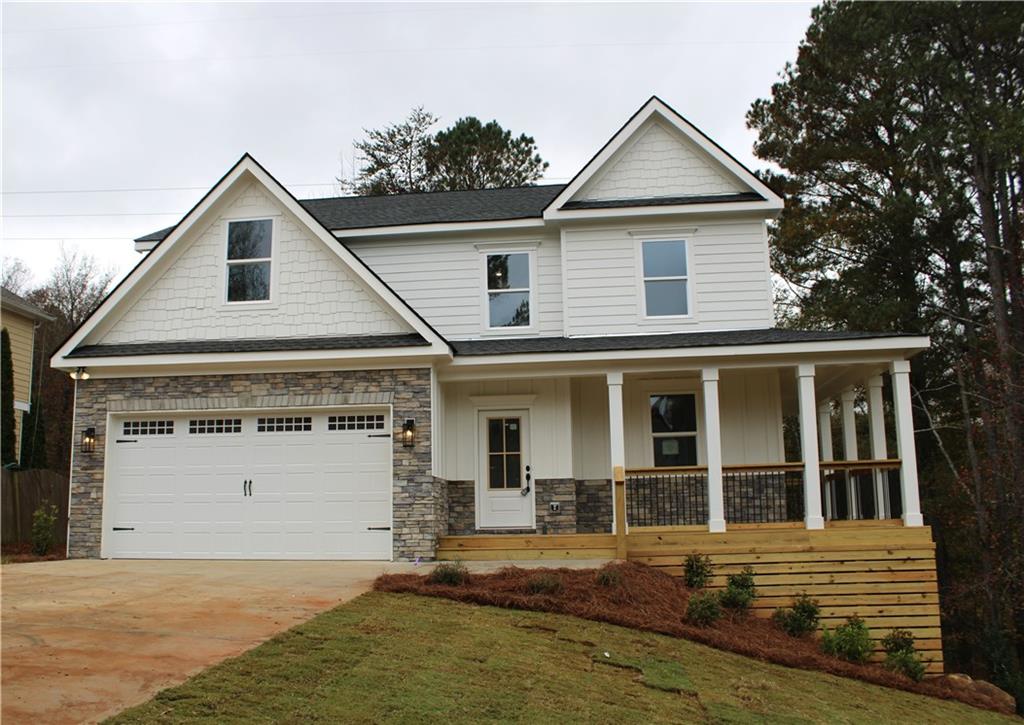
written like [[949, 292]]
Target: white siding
[[730, 278], [660, 162], [750, 417], [550, 424], [442, 279], [314, 293]]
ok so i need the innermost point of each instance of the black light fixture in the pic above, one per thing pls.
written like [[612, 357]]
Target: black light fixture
[[409, 433], [88, 440], [80, 374]]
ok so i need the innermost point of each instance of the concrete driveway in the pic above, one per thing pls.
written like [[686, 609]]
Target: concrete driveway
[[82, 640]]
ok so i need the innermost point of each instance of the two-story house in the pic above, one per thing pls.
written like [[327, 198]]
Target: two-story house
[[361, 377], [20, 318]]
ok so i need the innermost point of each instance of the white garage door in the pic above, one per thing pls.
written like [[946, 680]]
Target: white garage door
[[281, 485]]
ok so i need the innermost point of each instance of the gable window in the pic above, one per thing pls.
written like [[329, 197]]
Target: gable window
[[674, 429], [666, 279], [508, 290], [249, 252]]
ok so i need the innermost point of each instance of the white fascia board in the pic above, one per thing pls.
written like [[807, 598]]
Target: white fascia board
[[895, 345], [441, 228], [655, 106], [768, 209], [364, 358], [143, 247], [245, 166]]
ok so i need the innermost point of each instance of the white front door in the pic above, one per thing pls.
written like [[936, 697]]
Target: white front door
[[277, 485], [505, 493]]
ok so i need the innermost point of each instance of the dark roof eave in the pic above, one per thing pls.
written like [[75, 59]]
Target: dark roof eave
[[288, 344], [662, 201]]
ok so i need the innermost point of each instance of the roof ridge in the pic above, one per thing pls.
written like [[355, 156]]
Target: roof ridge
[[406, 194]]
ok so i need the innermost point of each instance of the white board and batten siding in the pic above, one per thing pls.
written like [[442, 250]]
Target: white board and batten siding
[[729, 275], [442, 279], [312, 292], [750, 415]]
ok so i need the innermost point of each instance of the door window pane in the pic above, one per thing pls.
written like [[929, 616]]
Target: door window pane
[[673, 413], [495, 436], [512, 435], [664, 259], [496, 468], [249, 282], [666, 297], [249, 239], [512, 471]]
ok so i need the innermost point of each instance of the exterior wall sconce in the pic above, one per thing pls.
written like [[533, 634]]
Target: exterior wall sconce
[[409, 433], [80, 374], [88, 440]]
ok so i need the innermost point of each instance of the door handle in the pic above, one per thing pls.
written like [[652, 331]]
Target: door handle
[[526, 491], [250, 487], [244, 484]]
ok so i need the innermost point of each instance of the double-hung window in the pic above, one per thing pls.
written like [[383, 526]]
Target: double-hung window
[[249, 259], [665, 278], [674, 429], [508, 290]]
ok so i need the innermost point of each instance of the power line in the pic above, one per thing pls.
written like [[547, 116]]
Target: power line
[[141, 188], [119, 213]]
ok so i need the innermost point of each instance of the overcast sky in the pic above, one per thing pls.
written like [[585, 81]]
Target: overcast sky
[[156, 101]]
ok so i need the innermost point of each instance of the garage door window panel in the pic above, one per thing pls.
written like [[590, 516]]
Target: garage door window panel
[[285, 424], [206, 426], [148, 427]]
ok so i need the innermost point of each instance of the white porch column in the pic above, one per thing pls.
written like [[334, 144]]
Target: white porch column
[[809, 447], [849, 417], [905, 443], [616, 437], [825, 432], [713, 438], [879, 449]]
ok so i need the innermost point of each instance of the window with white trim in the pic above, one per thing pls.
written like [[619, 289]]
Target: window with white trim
[[508, 290], [248, 263], [674, 429], [666, 278]]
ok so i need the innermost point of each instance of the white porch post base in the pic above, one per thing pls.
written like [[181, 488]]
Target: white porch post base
[[905, 443], [713, 438], [809, 447]]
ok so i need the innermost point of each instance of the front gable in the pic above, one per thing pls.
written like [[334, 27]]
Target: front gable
[[324, 302], [313, 293], [659, 162]]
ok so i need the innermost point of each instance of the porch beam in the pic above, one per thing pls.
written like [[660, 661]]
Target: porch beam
[[879, 448], [905, 443], [713, 441], [809, 446], [825, 431], [849, 418], [617, 443]]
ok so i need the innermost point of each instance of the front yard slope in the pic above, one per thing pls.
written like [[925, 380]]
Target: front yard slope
[[406, 658]]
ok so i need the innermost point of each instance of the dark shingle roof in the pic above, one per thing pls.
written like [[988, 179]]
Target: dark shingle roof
[[663, 201], [16, 302], [438, 207], [657, 342], [361, 342]]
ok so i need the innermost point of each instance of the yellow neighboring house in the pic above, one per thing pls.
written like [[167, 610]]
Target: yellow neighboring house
[[20, 318]]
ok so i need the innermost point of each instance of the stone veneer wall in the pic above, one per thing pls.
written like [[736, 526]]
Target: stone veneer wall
[[416, 500], [562, 490], [461, 508], [594, 506]]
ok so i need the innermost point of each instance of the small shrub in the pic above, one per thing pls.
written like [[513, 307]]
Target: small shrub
[[44, 534], [906, 663], [544, 583], [698, 570], [739, 592], [850, 641], [898, 640], [608, 576], [801, 619], [703, 609], [452, 573], [900, 655]]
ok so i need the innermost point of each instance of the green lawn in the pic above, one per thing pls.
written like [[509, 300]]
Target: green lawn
[[403, 658]]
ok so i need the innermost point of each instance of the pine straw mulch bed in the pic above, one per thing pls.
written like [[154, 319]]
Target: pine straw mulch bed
[[647, 599], [22, 554]]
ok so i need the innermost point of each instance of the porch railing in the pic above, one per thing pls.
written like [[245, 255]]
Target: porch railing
[[764, 494], [858, 490]]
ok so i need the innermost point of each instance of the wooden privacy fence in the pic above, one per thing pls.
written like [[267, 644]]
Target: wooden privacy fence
[[21, 493]]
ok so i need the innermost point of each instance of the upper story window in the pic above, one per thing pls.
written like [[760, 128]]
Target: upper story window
[[249, 258], [508, 290], [666, 279], [674, 429]]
